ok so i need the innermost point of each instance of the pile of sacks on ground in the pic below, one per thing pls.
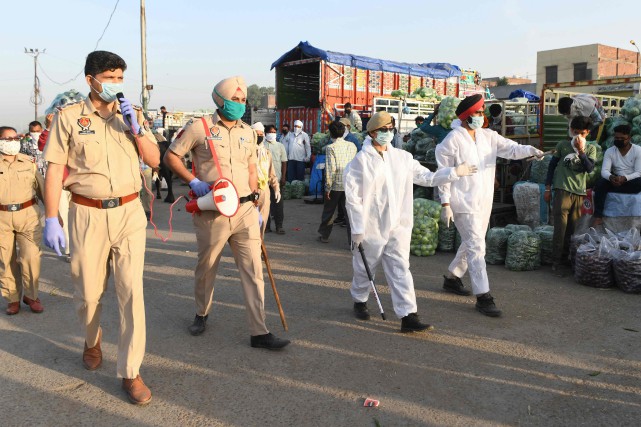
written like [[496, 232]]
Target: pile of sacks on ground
[[606, 259], [519, 247]]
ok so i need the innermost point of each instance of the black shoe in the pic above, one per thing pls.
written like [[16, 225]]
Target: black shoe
[[361, 311], [198, 327], [455, 286], [411, 323], [268, 341], [485, 304], [268, 230], [339, 221]]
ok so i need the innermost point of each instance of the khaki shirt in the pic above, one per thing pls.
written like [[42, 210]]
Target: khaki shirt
[[235, 147], [19, 180], [101, 154]]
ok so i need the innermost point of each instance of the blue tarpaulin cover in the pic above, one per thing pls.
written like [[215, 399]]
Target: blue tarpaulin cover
[[435, 70], [520, 93]]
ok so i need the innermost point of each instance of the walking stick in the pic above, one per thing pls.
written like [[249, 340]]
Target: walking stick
[[271, 279], [371, 279]]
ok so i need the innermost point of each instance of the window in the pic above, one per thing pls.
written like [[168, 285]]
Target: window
[[581, 72], [551, 74]]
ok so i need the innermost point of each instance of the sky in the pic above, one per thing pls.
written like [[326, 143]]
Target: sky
[[191, 45]]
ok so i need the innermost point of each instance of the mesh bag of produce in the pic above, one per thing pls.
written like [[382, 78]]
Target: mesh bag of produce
[[527, 199], [546, 234], [298, 189], [523, 251], [593, 265], [286, 191], [539, 170], [425, 231], [517, 227], [457, 241], [496, 245], [446, 237], [420, 192], [447, 111], [65, 98]]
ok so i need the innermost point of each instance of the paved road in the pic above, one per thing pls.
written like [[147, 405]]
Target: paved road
[[562, 354]]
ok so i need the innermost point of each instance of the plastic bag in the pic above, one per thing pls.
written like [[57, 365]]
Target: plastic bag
[[523, 251], [578, 239], [546, 234], [627, 271], [517, 227], [496, 245], [593, 265], [446, 237]]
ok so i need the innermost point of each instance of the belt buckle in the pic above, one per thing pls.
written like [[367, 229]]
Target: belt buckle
[[110, 203], [14, 207]]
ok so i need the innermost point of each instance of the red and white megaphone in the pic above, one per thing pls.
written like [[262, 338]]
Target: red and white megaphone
[[223, 198]]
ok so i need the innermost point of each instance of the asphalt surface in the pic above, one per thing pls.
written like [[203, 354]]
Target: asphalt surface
[[562, 354]]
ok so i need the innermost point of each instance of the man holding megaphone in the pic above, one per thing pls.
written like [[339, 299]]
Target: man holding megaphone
[[224, 183], [101, 141]]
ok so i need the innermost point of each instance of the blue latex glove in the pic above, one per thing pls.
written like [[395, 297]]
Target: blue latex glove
[[129, 114], [53, 235], [199, 187]]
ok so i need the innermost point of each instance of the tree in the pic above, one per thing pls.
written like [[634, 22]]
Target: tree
[[255, 94], [503, 81]]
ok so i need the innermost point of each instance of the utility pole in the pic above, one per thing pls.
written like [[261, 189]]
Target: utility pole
[[143, 52], [633, 43], [37, 99]]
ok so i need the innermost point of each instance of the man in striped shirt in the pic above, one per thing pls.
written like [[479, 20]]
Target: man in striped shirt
[[338, 154]]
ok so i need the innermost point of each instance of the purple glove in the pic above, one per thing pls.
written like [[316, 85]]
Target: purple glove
[[129, 115], [199, 187], [53, 235]]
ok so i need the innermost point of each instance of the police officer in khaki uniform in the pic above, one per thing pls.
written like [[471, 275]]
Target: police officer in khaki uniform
[[235, 145], [20, 184], [100, 141]]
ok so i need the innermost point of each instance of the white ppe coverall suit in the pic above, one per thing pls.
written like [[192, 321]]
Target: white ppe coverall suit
[[379, 203], [471, 197]]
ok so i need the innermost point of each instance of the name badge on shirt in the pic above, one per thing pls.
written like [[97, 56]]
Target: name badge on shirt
[[242, 140]]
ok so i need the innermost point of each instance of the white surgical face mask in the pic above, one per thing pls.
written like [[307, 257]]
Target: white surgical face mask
[[35, 136], [297, 130], [9, 147], [109, 90], [270, 137], [476, 123], [384, 138]]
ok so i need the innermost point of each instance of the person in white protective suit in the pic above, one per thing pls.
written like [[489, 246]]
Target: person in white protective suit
[[379, 204], [468, 201]]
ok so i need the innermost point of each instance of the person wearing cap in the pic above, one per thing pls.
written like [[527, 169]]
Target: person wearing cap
[[267, 179], [234, 142], [354, 118], [101, 142], [379, 202], [349, 136], [279, 160], [21, 185], [468, 201], [299, 152]]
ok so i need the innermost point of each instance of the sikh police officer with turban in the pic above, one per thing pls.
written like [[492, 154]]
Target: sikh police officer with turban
[[101, 142], [235, 145]]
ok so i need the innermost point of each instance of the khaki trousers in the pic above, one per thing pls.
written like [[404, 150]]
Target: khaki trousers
[[263, 205], [243, 234], [20, 237], [100, 237], [566, 211]]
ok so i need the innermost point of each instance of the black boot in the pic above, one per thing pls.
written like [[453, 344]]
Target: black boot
[[485, 304], [411, 323], [198, 327], [268, 341], [361, 311], [455, 286]]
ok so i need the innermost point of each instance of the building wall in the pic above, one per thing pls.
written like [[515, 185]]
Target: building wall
[[492, 81], [604, 61]]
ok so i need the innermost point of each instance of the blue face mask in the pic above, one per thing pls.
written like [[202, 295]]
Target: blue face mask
[[231, 110], [109, 90], [476, 122]]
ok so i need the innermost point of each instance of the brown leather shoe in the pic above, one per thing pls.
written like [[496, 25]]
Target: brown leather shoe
[[34, 304], [137, 392], [92, 357], [13, 308]]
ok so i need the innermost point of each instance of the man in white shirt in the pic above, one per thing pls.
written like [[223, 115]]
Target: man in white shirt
[[621, 171], [354, 118], [299, 151]]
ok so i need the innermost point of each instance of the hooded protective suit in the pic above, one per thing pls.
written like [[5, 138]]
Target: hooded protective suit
[[379, 203], [471, 197]]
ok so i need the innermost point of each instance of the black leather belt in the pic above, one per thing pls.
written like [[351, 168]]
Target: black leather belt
[[251, 198]]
